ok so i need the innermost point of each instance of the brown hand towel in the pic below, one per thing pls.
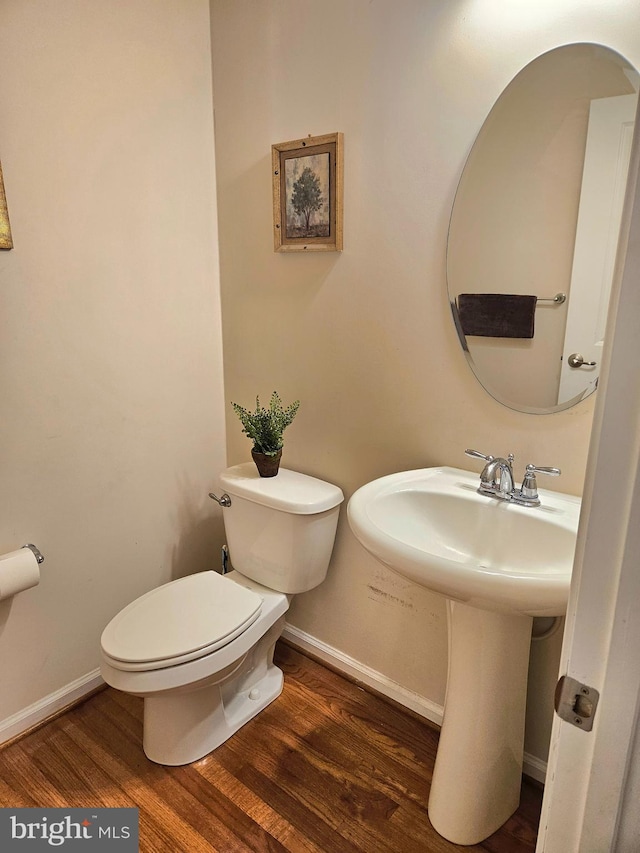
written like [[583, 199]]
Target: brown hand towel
[[497, 315]]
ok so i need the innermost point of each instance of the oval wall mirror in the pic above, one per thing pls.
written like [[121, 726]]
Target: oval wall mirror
[[534, 227]]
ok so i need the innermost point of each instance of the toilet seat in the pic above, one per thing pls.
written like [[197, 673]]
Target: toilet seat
[[179, 621]]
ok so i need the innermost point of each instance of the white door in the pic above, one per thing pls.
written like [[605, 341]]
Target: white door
[[590, 775], [604, 180]]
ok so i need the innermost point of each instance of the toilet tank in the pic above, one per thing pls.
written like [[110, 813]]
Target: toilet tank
[[280, 530]]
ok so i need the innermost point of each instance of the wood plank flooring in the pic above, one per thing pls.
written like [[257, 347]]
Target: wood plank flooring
[[327, 768]]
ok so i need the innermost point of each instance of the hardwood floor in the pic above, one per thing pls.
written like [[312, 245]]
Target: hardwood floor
[[327, 768]]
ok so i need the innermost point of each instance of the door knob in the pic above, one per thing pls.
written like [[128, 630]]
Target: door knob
[[576, 360]]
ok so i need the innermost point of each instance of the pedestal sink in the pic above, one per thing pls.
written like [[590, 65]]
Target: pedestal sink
[[499, 565]]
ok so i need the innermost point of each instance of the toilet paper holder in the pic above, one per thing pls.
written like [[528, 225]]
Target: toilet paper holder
[[36, 553]]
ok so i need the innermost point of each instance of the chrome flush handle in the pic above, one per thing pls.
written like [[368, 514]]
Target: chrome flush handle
[[225, 500]]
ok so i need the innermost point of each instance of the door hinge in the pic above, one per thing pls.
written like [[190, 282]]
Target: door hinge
[[576, 703]]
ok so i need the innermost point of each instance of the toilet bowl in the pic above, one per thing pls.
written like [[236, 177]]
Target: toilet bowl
[[200, 649]]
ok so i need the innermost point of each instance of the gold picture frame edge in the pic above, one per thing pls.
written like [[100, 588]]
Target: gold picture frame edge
[[6, 242], [335, 243]]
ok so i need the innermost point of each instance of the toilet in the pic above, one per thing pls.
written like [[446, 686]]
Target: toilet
[[200, 649]]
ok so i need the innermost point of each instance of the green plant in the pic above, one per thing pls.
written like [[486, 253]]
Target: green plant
[[265, 426]]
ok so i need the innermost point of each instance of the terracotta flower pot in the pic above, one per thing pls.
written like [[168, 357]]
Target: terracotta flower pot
[[267, 465]]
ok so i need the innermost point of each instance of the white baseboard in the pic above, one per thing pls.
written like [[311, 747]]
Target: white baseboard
[[29, 717], [356, 671], [534, 768], [364, 674], [50, 705]]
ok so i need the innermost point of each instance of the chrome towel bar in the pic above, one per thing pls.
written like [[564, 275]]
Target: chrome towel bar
[[559, 298]]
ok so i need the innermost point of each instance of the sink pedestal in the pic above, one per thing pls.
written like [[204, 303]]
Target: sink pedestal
[[478, 769], [432, 527]]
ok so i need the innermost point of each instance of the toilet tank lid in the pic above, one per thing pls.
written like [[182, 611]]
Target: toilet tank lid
[[288, 491]]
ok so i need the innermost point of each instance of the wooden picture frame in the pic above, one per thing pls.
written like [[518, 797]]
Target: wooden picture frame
[[308, 194], [6, 241]]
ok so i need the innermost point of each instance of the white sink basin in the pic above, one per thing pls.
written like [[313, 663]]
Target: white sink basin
[[433, 527], [499, 564]]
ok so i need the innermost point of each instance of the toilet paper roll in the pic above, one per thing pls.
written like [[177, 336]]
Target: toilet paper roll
[[19, 570]]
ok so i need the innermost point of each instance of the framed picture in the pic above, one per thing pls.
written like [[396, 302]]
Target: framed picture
[[5, 229], [307, 194]]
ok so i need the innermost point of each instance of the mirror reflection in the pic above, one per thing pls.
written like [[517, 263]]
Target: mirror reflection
[[535, 223]]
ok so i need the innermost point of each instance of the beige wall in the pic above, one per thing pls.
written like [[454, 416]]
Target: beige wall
[[110, 352], [364, 338]]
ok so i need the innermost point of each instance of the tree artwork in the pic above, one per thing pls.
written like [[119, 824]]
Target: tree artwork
[[308, 178], [307, 196]]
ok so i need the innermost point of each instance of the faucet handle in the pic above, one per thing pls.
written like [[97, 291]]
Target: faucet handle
[[477, 455], [536, 469], [529, 492]]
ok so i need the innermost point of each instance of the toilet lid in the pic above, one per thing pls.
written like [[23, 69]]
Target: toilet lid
[[181, 620]]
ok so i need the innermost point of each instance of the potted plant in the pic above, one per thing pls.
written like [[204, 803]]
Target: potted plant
[[265, 428]]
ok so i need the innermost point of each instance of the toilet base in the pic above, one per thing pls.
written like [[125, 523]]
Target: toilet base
[[184, 726]]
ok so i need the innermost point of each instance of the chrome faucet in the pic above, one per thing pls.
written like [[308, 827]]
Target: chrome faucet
[[496, 479]]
